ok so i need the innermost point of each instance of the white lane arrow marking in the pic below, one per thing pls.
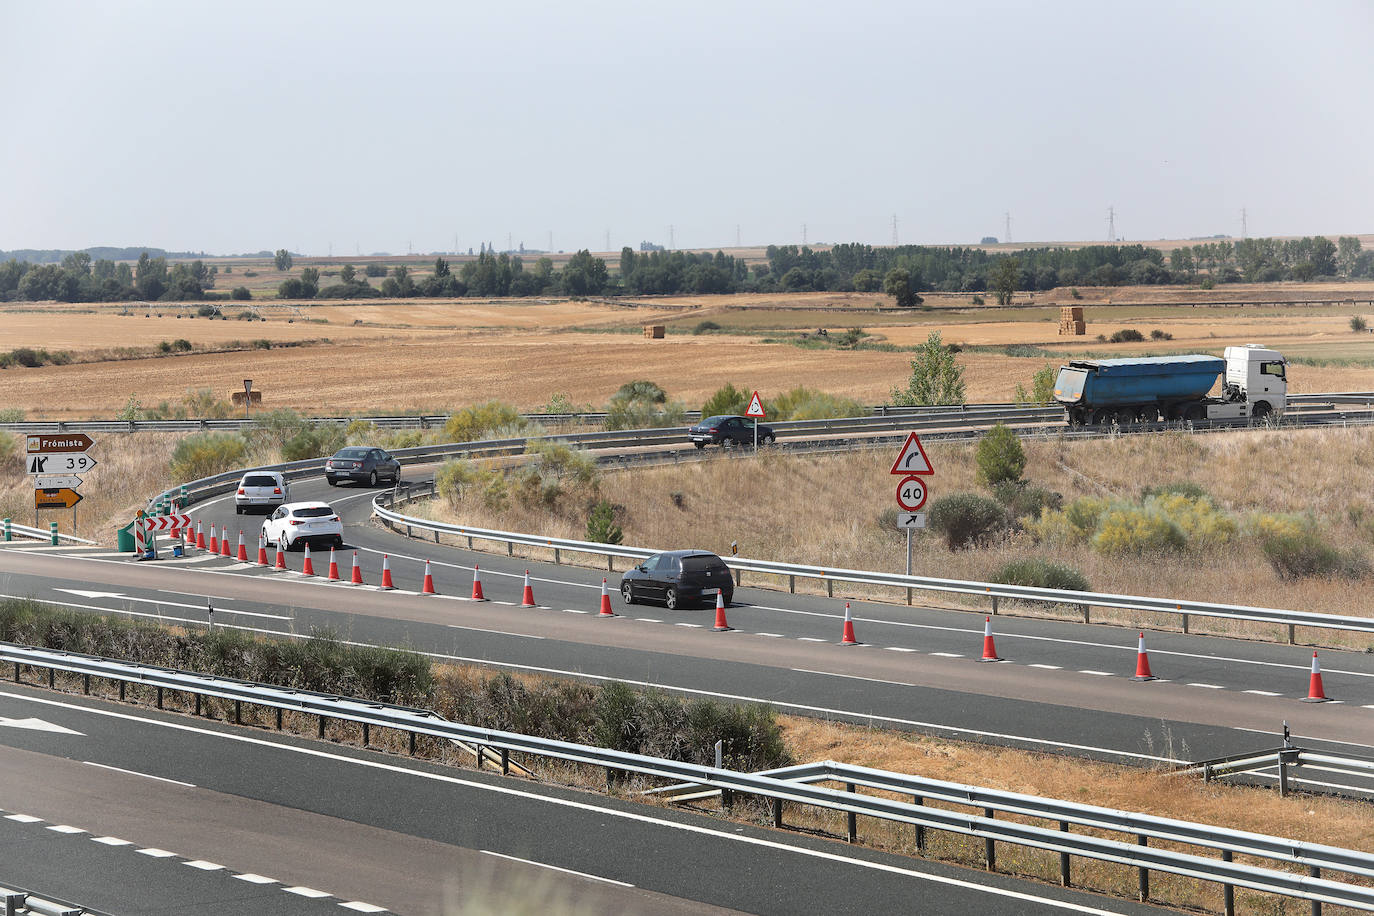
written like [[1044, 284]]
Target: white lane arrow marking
[[86, 594], [38, 725], [160, 602]]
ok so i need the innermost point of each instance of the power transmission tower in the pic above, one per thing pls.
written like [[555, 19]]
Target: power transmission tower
[[409, 250], [550, 240], [608, 240], [894, 230], [1111, 224], [803, 235], [1007, 234], [1242, 223], [331, 249], [737, 243], [671, 242]]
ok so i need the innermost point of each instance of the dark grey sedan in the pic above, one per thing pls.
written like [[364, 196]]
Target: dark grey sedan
[[361, 464], [677, 577]]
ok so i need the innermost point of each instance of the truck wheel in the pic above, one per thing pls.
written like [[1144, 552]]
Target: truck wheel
[[1260, 410], [1195, 413]]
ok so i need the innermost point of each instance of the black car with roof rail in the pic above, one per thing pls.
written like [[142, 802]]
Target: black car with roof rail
[[678, 577]]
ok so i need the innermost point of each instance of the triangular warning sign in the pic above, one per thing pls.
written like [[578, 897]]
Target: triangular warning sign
[[912, 459], [755, 406]]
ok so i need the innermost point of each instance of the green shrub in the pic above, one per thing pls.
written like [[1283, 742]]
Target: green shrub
[[977, 300], [202, 403], [207, 454], [727, 400], [1178, 488], [1357, 324], [11, 415], [460, 477], [643, 404], [205, 311], [164, 347], [1304, 554], [27, 357], [1137, 530], [1157, 334], [1038, 572], [240, 293], [601, 526], [704, 326], [262, 343], [9, 445], [313, 442], [272, 429], [1026, 500], [967, 519], [181, 345], [999, 456], [1127, 335], [1042, 387], [472, 423], [802, 403], [1204, 526]]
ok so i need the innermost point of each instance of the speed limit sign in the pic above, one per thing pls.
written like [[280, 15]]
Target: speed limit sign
[[911, 493]]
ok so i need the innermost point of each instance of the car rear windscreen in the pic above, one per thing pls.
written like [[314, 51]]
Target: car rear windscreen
[[352, 453], [313, 512], [702, 564], [260, 480]]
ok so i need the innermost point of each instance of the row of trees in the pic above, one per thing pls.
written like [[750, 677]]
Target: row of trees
[[80, 279]]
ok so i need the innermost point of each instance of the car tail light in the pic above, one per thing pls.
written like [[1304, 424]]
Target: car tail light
[[276, 491], [333, 518], [329, 465], [241, 491], [294, 522]]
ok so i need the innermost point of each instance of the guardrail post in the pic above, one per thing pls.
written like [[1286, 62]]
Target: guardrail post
[[9, 536], [1283, 774], [278, 718], [1228, 892], [365, 735], [777, 812], [197, 704], [920, 828], [436, 535], [159, 697], [1315, 872], [791, 585], [829, 588], [412, 744], [238, 712], [555, 557], [1086, 617], [52, 529], [1064, 859], [994, 605], [852, 819], [510, 545], [86, 684], [505, 761], [990, 845], [16, 672], [122, 685], [1144, 895], [52, 678], [1290, 634], [1185, 624]]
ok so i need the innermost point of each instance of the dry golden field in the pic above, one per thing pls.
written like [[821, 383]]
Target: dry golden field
[[375, 356]]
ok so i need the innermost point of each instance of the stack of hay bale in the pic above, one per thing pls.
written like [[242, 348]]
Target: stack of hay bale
[[1071, 321]]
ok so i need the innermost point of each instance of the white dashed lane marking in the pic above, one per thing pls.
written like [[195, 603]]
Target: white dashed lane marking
[[256, 879], [63, 828], [203, 865], [305, 892], [1097, 673], [156, 853]]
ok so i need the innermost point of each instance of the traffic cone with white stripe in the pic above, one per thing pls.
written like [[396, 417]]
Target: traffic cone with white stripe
[[214, 541], [527, 597], [262, 549], [224, 545], [243, 551], [721, 626], [848, 638], [176, 532], [200, 536], [477, 585], [428, 587], [605, 601], [357, 571], [989, 648], [333, 566], [1142, 663], [1315, 693], [307, 568], [386, 573], [281, 557]]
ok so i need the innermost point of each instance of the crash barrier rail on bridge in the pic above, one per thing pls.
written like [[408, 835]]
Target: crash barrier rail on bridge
[[799, 786], [1283, 759], [23, 903], [993, 591], [437, 421], [39, 534]]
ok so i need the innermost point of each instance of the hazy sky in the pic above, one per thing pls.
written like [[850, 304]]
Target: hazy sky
[[245, 126]]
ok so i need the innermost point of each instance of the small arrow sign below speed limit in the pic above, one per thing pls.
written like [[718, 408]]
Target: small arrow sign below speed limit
[[911, 493]]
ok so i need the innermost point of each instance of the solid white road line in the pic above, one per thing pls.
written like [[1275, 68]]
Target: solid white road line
[[566, 871], [455, 626], [600, 810], [106, 766], [854, 677]]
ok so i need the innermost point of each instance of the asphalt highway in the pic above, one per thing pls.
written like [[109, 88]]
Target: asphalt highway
[[133, 811]]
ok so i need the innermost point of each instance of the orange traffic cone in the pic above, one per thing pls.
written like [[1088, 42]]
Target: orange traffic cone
[[224, 545], [214, 541], [386, 572], [281, 557], [605, 601], [200, 536], [1315, 693], [307, 568], [333, 566], [357, 571], [243, 552], [477, 585], [262, 549], [721, 626], [428, 587], [1142, 663], [527, 598], [848, 638], [989, 649]]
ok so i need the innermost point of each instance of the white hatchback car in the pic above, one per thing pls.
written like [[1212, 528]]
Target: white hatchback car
[[261, 488], [300, 523]]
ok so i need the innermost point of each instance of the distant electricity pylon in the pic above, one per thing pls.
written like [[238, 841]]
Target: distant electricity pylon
[[1007, 234], [671, 242], [894, 230], [737, 242], [803, 235], [1242, 223], [1111, 224], [608, 240]]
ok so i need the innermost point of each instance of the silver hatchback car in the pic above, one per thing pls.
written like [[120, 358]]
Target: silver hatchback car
[[267, 489]]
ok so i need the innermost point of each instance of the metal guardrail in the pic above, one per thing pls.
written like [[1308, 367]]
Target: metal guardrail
[[45, 534], [23, 903], [994, 591], [1283, 759], [800, 787]]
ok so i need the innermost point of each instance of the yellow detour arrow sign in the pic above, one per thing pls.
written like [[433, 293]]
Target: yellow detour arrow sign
[[55, 498]]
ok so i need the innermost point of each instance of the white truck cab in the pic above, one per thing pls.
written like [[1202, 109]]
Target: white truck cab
[[1256, 384]]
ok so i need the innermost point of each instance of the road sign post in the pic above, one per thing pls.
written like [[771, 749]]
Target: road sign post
[[247, 396], [755, 410], [912, 463], [53, 460]]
